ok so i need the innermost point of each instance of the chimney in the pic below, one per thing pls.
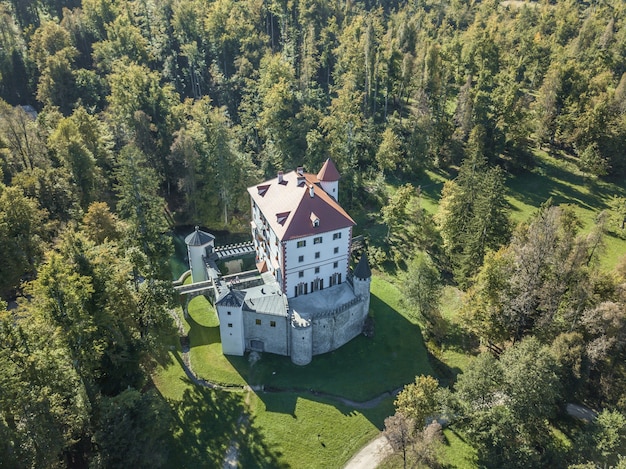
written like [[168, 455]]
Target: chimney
[[280, 177], [300, 171], [311, 191]]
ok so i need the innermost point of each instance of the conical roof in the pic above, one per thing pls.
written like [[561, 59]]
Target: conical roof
[[199, 238], [362, 269], [329, 172]]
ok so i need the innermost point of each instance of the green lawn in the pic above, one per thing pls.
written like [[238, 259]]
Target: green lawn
[[283, 427], [315, 433], [360, 370]]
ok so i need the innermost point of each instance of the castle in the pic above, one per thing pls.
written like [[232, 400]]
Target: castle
[[302, 300]]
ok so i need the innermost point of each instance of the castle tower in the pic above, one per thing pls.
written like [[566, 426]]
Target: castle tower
[[362, 278], [301, 340], [199, 244], [329, 179], [229, 306]]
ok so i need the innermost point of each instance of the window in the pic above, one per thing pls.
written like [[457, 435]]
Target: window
[[317, 240], [230, 324], [336, 250], [317, 255], [337, 235], [272, 323], [228, 312], [301, 244], [301, 274], [335, 265], [300, 258], [317, 270], [258, 322]]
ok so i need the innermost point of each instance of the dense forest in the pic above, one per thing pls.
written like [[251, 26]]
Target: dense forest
[[121, 119]]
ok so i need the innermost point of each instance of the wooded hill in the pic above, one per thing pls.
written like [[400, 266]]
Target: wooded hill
[[119, 116]]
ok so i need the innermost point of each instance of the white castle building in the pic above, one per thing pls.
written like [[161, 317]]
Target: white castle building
[[303, 300]]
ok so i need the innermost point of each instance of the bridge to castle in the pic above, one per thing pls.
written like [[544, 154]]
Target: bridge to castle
[[244, 279]]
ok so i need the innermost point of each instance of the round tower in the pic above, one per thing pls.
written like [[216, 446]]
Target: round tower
[[329, 179], [361, 280], [301, 340], [199, 244]]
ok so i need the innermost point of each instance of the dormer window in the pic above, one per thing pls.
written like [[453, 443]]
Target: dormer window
[[281, 218], [315, 221], [262, 189]]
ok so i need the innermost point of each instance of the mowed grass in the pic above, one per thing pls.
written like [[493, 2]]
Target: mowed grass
[[205, 347], [283, 428], [360, 370], [315, 433]]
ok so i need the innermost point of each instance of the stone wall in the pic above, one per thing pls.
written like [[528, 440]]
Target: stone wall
[[333, 330], [274, 338]]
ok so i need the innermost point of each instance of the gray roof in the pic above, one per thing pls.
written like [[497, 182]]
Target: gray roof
[[199, 238], [228, 297], [362, 269]]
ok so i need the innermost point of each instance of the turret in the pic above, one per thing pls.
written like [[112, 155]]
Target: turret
[[361, 280], [229, 306], [329, 179], [199, 244], [301, 340]]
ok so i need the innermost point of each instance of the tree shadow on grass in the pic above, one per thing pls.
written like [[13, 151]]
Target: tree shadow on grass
[[360, 370], [551, 180], [207, 423], [202, 335], [460, 340]]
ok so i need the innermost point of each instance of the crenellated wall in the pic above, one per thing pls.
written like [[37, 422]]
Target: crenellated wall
[[332, 330]]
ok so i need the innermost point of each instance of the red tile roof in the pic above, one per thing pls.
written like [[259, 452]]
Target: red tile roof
[[277, 200], [328, 172]]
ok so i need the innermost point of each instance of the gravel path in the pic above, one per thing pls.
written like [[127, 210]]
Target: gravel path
[[371, 455]]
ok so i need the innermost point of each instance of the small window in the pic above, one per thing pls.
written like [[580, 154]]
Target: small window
[[317, 240], [301, 273], [228, 312], [317, 255], [301, 244], [230, 324], [272, 323], [317, 270], [300, 258], [335, 265], [337, 235], [316, 222], [336, 250], [258, 322]]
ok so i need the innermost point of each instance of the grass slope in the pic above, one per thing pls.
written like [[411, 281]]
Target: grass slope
[[283, 428], [360, 370]]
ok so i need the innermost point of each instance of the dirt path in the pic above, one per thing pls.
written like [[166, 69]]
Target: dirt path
[[371, 455]]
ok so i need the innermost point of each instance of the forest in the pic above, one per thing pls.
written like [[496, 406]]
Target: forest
[[121, 120]]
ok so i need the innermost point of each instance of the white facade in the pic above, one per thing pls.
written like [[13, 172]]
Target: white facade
[[316, 262], [331, 188], [303, 303], [230, 314], [267, 244]]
